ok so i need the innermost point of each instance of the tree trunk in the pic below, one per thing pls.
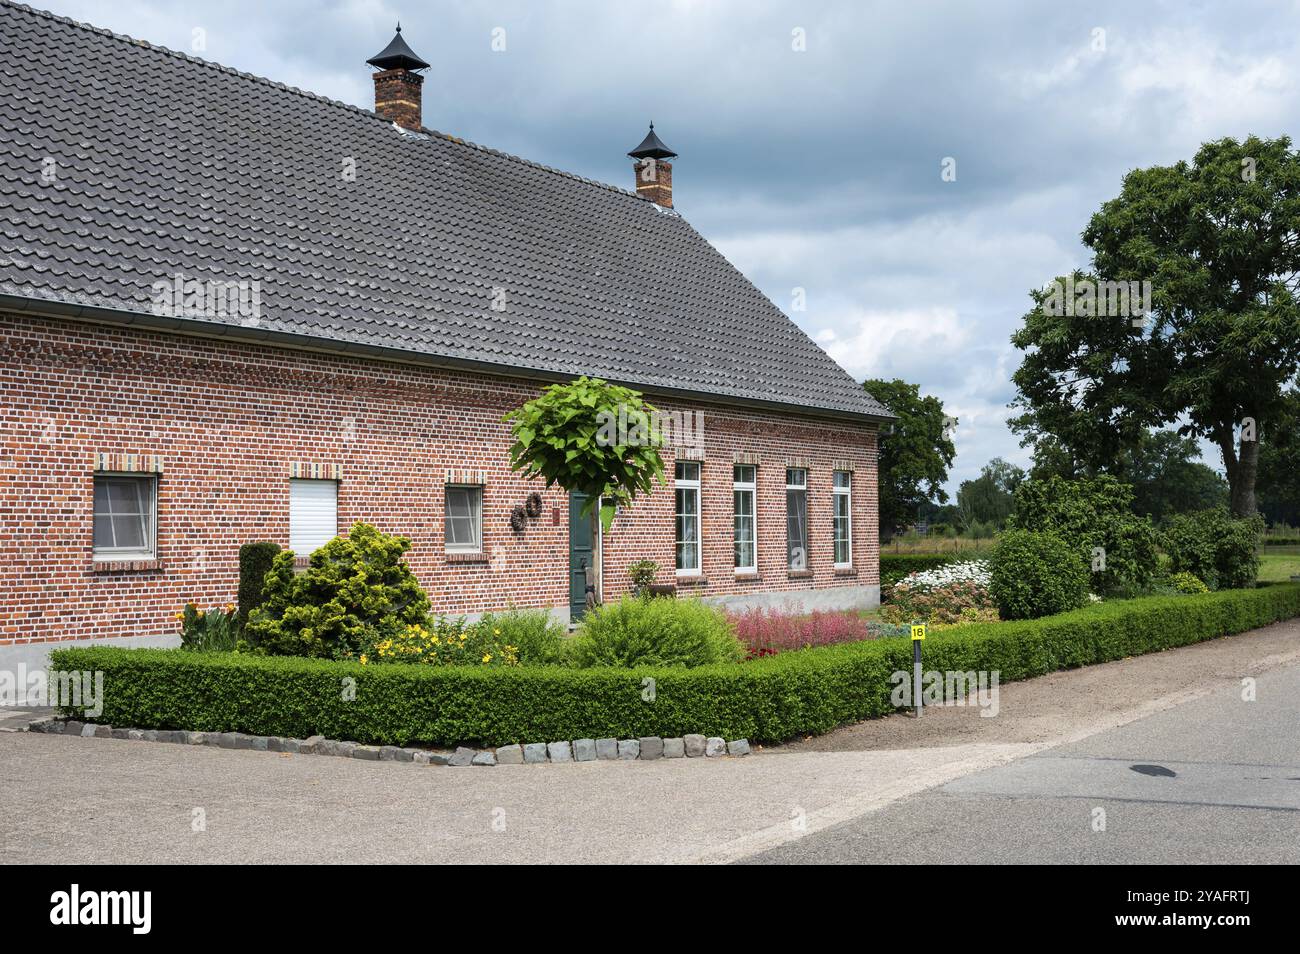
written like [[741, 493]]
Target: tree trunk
[[1242, 482]]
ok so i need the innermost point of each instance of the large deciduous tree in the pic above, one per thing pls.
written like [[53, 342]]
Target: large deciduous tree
[[988, 498], [915, 455], [1219, 241]]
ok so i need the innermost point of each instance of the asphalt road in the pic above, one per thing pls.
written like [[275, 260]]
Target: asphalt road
[[952, 787], [1214, 780]]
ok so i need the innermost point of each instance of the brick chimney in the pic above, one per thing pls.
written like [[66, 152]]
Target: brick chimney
[[654, 171], [397, 84]]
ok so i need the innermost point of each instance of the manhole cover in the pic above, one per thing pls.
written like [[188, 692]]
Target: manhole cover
[[1158, 771]]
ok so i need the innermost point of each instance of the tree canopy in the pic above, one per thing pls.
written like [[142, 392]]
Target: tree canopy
[[1217, 240], [915, 456], [566, 435], [988, 498]]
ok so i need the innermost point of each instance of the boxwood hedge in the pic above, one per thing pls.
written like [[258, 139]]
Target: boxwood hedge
[[766, 700]]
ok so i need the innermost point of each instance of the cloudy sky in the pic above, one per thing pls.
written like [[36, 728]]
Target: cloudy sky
[[820, 167]]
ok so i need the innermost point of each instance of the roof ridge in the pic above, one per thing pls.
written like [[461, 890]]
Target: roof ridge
[[212, 64]]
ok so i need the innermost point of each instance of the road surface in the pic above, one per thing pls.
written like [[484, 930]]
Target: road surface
[[1218, 780]]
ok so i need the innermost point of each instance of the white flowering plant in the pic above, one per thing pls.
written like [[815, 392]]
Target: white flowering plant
[[956, 593]]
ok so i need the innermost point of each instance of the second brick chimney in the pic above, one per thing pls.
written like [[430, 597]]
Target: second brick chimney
[[654, 171], [397, 84]]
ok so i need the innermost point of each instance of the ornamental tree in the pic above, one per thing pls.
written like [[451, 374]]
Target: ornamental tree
[[1218, 241], [589, 437]]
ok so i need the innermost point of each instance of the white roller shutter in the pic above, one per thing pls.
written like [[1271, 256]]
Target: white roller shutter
[[313, 514]]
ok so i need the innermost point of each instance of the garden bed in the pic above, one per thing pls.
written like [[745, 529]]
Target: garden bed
[[765, 700]]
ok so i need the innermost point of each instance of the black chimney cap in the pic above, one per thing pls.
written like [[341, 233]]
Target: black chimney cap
[[397, 56], [652, 147]]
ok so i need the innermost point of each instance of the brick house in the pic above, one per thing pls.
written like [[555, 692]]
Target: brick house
[[235, 311]]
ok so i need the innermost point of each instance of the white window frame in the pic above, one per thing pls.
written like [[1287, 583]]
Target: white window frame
[[750, 487], [150, 550], [334, 531], [691, 485], [803, 486], [847, 494], [476, 514]]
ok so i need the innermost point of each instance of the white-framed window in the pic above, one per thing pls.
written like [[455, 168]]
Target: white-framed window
[[464, 518], [746, 522], [686, 488], [126, 516], [843, 519], [313, 514], [796, 517]]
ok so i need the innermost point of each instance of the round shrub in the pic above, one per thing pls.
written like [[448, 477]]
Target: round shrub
[[1036, 574], [1187, 583], [356, 592], [655, 632]]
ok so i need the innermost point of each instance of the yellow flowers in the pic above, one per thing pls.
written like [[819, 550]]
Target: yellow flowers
[[444, 642], [363, 659]]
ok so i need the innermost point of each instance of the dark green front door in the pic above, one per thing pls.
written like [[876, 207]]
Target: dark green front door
[[582, 552]]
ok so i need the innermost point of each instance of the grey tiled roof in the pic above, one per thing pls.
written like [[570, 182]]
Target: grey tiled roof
[[163, 163]]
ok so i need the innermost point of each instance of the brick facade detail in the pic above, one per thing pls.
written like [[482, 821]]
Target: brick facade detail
[[233, 422]]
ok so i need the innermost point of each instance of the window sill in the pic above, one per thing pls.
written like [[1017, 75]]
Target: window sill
[[125, 565], [691, 579], [460, 556], [799, 574], [747, 575], [845, 571]]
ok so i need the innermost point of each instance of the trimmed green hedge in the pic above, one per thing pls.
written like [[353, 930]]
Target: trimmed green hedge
[[895, 566], [766, 700]]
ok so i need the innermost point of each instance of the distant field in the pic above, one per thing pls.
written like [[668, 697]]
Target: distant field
[[912, 544]]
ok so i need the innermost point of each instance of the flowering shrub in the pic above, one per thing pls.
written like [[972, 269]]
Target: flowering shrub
[[971, 571], [956, 593], [444, 642], [766, 632], [216, 630]]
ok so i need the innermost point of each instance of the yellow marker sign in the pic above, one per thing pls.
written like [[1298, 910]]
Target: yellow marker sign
[[918, 631]]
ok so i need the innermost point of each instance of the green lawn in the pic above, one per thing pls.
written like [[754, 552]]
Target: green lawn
[[1279, 566]]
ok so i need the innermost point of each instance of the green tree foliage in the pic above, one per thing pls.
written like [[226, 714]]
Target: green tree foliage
[[1279, 466], [1033, 574], [987, 499], [590, 437], [1092, 513], [1219, 549], [356, 591], [1217, 240], [1168, 478], [915, 456]]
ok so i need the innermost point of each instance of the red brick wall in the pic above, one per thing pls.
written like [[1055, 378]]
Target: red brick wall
[[228, 420]]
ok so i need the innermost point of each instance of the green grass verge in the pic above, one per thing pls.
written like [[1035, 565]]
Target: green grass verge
[[766, 700], [1279, 567]]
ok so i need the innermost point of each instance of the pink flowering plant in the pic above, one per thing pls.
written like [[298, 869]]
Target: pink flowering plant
[[766, 632]]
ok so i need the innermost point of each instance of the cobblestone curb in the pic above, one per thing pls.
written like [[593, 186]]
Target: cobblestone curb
[[645, 748]]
